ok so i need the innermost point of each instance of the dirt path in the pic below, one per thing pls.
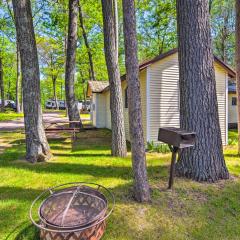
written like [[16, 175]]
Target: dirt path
[[18, 124]]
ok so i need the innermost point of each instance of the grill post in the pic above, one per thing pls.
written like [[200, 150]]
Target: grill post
[[177, 139], [174, 151]]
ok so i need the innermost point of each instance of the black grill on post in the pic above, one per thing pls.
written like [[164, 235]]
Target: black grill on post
[[176, 138]]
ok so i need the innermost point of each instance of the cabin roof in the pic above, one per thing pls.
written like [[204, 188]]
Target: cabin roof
[[96, 86]]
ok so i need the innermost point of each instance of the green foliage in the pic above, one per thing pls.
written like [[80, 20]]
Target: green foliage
[[223, 29], [156, 28], [158, 148], [233, 137]]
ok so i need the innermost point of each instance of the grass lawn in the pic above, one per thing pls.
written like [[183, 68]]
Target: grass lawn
[[85, 115], [192, 211], [9, 115]]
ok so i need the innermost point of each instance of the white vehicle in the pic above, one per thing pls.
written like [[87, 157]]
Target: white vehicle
[[8, 103], [50, 104]]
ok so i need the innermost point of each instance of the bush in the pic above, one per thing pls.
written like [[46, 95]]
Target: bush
[[159, 148]]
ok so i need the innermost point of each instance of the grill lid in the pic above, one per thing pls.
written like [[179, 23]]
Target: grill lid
[[73, 207]]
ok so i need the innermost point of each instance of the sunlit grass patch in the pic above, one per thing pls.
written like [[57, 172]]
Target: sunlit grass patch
[[9, 115]]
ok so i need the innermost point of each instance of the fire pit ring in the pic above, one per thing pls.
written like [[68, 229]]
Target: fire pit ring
[[72, 211]]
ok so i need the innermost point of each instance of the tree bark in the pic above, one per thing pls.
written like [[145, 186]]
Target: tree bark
[[92, 73], [18, 107], [72, 106], [142, 192], [37, 148], [238, 66], [198, 98], [2, 85], [54, 81], [18, 110], [116, 104]]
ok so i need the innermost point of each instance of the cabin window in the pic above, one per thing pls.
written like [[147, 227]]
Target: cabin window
[[126, 98], [234, 101]]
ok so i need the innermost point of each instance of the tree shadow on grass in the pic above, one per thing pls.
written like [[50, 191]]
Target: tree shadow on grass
[[233, 155], [24, 231], [122, 172], [82, 155]]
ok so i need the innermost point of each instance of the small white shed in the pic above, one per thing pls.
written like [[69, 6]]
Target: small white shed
[[159, 79]]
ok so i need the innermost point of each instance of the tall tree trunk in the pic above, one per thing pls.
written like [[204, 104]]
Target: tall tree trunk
[[54, 80], [198, 98], [18, 110], [8, 90], [18, 107], [92, 73], [37, 148], [72, 105], [238, 66], [142, 192], [116, 104], [2, 86]]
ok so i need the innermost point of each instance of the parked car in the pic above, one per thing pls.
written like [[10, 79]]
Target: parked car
[[9, 104], [62, 104], [86, 105], [50, 104]]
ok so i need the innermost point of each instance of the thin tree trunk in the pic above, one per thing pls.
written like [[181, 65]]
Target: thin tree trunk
[[116, 104], [2, 86], [37, 148], [18, 107], [142, 192], [18, 110], [238, 66], [92, 73], [8, 90], [198, 98], [54, 80], [72, 105]]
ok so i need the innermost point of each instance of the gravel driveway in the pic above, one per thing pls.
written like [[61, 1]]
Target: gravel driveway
[[18, 124]]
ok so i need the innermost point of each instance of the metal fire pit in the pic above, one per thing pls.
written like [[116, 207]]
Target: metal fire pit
[[177, 139], [73, 211]]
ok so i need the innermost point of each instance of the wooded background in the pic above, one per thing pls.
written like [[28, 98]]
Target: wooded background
[[156, 32]]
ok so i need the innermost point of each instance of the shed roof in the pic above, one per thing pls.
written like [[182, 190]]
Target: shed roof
[[97, 86], [145, 64]]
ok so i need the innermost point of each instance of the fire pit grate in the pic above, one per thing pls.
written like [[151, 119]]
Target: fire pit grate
[[73, 211]]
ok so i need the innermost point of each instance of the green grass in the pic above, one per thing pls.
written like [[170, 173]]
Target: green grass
[[192, 211], [85, 115], [233, 137], [9, 115]]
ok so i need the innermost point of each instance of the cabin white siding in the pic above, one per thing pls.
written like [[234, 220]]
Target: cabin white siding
[[100, 108], [93, 109], [221, 83], [163, 99], [143, 92], [107, 110]]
